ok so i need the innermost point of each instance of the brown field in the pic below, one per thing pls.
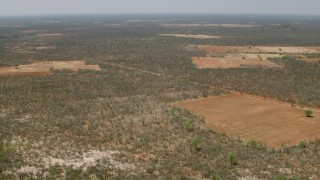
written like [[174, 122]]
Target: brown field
[[44, 68], [258, 49], [196, 36], [270, 123], [212, 25], [232, 62]]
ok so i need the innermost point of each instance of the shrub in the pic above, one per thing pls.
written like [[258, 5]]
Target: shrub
[[188, 124], [195, 143], [205, 94], [231, 157], [252, 143], [302, 144], [173, 111], [308, 113], [4, 158]]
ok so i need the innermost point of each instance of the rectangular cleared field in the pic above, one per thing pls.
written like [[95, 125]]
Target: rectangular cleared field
[[44, 68], [232, 62], [195, 36], [212, 25], [259, 49], [250, 118]]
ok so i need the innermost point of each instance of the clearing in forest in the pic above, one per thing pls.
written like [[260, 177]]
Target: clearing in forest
[[270, 123], [212, 25], [259, 49], [235, 62], [44, 68], [49, 35], [248, 56], [195, 36]]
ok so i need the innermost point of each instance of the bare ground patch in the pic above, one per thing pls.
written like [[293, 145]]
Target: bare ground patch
[[49, 35], [195, 36], [259, 49], [44, 68], [233, 62], [29, 31], [39, 48], [212, 25], [234, 56], [270, 123]]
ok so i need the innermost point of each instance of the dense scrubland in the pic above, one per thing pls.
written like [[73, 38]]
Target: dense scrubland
[[121, 123]]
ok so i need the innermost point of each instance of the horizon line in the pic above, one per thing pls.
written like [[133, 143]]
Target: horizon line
[[169, 14]]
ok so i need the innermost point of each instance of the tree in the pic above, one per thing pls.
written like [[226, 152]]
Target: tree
[[308, 113], [231, 157]]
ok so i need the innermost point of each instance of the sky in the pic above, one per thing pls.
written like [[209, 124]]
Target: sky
[[62, 7]]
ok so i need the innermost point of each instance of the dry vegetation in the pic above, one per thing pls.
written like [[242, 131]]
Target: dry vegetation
[[118, 121]]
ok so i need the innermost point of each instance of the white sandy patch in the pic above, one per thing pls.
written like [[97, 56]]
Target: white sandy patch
[[28, 170], [89, 159]]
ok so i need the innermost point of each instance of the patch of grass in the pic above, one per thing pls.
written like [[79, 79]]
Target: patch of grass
[[280, 177], [5, 154], [252, 143]]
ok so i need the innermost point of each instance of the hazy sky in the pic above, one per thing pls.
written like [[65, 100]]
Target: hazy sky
[[39, 7]]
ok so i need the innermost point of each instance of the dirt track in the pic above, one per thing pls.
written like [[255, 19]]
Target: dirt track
[[270, 123]]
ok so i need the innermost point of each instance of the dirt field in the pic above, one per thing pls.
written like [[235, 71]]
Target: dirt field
[[232, 62], [244, 55], [212, 25], [44, 68], [196, 36], [270, 123], [29, 31], [259, 49], [49, 35], [44, 47]]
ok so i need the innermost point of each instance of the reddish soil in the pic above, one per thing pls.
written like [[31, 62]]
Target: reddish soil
[[249, 118], [44, 68]]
